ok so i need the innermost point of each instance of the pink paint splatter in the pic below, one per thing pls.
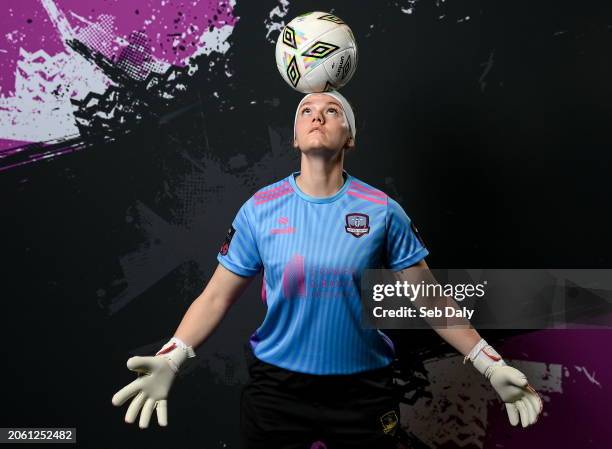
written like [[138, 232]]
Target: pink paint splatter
[[172, 27]]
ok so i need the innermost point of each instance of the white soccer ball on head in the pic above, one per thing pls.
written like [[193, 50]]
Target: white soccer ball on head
[[316, 52]]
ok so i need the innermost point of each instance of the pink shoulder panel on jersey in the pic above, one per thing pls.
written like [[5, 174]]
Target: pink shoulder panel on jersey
[[271, 194], [367, 193]]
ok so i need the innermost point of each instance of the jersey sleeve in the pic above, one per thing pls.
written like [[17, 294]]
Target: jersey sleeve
[[239, 252], [404, 246]]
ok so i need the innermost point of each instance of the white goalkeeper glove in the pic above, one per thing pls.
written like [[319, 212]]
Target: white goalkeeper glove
[[522, 401], [155, 377]]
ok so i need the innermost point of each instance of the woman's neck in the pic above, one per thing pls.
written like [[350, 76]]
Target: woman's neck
[[320, 181]]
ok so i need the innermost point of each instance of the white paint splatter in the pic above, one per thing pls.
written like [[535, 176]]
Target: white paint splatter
[[212, 41], [590, 377], [15, 37], [542, 376], [276, 21], [59, 20], [408, 9], [40, 109], [457, 411]]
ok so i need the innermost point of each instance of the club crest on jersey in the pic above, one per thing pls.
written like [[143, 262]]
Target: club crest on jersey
[[228, 239], [357, 225]]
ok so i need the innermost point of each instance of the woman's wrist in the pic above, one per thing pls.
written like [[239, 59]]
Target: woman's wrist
[[176, 351], [484, 358]]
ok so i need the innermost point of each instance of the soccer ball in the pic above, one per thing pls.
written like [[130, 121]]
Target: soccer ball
[[316, 52]]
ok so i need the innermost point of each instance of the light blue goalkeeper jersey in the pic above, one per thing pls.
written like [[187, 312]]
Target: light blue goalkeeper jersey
[[313, 252]]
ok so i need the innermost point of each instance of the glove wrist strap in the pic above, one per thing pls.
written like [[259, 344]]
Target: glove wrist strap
[[176, 352], [484, 358]]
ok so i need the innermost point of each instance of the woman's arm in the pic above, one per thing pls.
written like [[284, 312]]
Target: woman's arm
[[462, 339], [523, 403], [207, 310], [156, 373]]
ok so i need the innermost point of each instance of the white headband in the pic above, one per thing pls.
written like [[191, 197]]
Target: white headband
[[346, 108]]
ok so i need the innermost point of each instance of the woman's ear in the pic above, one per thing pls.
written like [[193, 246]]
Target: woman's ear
[[295, 144], [350, 144]]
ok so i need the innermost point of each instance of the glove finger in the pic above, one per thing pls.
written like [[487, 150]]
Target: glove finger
[[531, 411], [536, 403], [517, 378], [140, 364], [535, 399], [513, 414], [126, 392], [135, 407], [522, 409], [145, 415], [162, 412]]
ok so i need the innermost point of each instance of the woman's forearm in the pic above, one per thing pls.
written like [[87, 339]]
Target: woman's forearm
[[207, 310], [457, 332], [463, 340], [201, 319]]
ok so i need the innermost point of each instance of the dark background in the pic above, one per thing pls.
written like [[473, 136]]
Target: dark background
[[493, 133]]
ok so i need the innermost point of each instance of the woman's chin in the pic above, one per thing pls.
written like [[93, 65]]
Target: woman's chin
[[320, 151], [318, 147]]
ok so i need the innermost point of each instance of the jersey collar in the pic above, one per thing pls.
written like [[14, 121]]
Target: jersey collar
[[326, 199]]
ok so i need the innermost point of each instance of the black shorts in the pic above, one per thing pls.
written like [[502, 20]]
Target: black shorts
[[282, 409]]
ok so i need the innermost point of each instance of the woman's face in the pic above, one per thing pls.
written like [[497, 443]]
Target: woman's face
[[321, 125]]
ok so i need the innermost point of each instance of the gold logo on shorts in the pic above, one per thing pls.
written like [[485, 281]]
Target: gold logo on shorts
[[389, 422]]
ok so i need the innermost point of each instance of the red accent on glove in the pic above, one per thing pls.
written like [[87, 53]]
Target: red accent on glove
[[491, 356], [167, 350]]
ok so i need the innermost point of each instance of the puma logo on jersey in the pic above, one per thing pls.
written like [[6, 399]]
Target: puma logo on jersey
[[287, 230]]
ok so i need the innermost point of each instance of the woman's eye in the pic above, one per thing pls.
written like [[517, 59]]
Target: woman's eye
[[305, 110], [332, 110]]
